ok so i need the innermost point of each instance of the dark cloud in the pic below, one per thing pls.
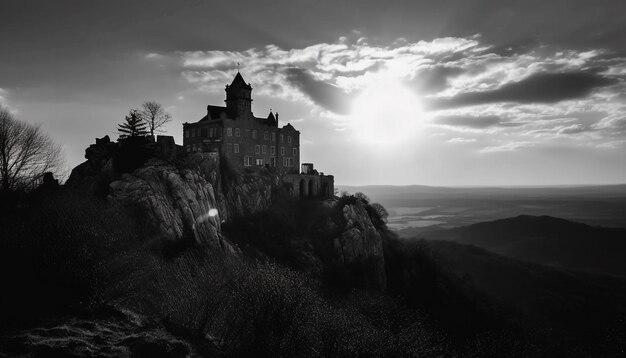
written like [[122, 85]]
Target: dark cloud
[[434, 79], [538, 88], [469, 121], [377, 66], [322, 93], [578, 24]]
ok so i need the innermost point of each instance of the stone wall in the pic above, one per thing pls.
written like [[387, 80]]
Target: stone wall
[[246, 142], [311, 185]]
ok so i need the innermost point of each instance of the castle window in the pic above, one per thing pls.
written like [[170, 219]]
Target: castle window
[[263, 149], [257, 149], [229, 147], [237, 132], [288, 162], [247, 133], [282, 150], [295, 151], [193, 133], [211, 132], [265, 135], [282, 138], [272, 150], [254, 134], [187, 133], [229, 132], [259, 161], [236, 148], [247, 161], [288, 139]]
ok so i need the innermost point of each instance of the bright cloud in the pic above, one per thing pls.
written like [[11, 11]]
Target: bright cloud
[[507, 147], [461, 140], [538, 95]]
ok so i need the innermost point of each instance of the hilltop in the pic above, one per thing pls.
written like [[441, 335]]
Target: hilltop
[[185, 255]]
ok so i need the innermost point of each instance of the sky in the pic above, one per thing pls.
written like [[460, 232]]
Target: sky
[[444, 93]]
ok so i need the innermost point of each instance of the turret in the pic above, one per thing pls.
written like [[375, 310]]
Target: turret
[[238, 97]]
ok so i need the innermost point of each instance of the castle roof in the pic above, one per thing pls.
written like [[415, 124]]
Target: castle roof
[[288, 126], [238, 81], [213, 112]]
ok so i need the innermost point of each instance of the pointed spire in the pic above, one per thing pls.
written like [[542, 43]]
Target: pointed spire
[[239, 82]]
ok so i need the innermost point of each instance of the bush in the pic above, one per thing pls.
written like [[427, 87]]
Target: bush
[[262, 309]]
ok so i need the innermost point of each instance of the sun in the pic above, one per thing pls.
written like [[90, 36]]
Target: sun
[[385, 112]]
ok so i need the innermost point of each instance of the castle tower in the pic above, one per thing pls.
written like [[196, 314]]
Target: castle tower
[[238, 98]]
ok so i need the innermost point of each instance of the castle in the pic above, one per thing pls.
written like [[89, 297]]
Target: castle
[[245, 141]]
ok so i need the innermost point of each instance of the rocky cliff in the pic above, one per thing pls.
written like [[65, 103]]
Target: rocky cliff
[[179, 201], [192, 198], [189, 199], [361, 244]]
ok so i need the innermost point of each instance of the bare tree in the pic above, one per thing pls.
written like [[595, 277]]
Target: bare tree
[[26, 153], [154, 115]]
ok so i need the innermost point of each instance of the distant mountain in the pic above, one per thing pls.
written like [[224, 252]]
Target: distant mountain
[[546, 240], [602, 205], [574, 300], [377, 192]]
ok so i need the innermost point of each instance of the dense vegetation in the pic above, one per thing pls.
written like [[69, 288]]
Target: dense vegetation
[[64, 253]]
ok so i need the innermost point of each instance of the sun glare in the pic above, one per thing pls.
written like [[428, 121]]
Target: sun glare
[[385, 112]]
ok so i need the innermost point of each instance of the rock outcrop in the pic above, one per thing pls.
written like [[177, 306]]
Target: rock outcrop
[[237, 195], [179, 201], [106, 333], [361, 245], [94, 175], [189, 199]]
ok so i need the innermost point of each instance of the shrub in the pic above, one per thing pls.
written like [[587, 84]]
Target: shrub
[[263, 309]]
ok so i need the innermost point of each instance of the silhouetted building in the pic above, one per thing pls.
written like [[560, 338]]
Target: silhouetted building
[[243, 139]]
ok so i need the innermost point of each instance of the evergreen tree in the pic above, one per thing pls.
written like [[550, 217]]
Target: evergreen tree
[[133, 126]]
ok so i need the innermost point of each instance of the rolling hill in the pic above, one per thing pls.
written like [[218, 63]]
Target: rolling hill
[[546, 240]]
